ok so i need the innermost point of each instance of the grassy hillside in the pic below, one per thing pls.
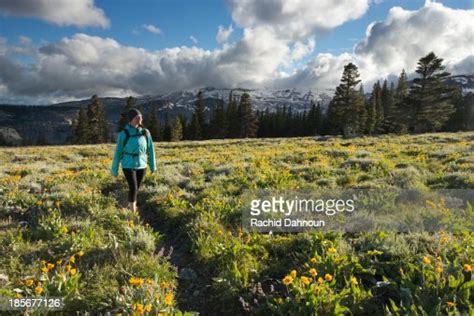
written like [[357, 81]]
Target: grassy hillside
[[64, 230]]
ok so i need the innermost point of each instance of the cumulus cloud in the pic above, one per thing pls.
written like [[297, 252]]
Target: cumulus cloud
[[405, 36], [301, 49], [296, 19], [223, 33], [397, 43], [81, 65], [151, 28], [61, 12], [321, 73]]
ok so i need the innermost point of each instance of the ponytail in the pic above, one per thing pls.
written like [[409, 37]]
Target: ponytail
[[145, 130]]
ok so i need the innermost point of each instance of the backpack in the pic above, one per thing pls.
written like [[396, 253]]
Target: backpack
[[144, 132]]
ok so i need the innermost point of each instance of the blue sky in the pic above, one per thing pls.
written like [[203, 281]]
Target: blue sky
[[178, 20]]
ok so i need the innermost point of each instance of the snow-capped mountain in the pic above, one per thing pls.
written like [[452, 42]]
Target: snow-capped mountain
[[261, 98], [465, 82]]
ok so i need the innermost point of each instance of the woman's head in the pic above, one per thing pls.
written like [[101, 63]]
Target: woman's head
[[134, 116]]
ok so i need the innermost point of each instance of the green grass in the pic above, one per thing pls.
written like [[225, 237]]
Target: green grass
[[58, 201]]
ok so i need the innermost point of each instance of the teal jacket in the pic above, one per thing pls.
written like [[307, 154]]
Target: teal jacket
[[141, 145]]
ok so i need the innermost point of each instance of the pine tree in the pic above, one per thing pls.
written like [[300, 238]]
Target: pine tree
[[199, 109], [218, 122], [153, 124], [400, 116], [372, 105], [378, 108], [462, 119], [319, 119], [97, 131], [81, 128], [232, 117], [166, 129], [247, 117], [346, 103], [195, 128], [429, 98], [387, 99], [312, 123], [362, 111], [176, 130]]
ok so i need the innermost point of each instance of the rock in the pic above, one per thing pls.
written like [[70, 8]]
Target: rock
[[3, 279], [322, 138], [187, 274], [35, 188], [10, 137]]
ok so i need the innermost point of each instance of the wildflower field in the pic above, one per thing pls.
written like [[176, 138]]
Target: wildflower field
[[65, 230]]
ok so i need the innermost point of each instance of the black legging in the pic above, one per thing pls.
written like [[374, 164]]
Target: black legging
[[134, 178]]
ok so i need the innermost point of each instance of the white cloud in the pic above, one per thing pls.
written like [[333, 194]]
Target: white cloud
[[151, 28], [301, 49], [405, 36], [82, 65], [61, 12], [265, 56], [24, 39], [223, 33], [398, 42], [296, 19], [192, 38]]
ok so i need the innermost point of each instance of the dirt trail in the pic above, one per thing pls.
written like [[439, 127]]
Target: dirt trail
[[193, 283]]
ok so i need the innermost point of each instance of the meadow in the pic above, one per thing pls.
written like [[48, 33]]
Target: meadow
[[65, 230]]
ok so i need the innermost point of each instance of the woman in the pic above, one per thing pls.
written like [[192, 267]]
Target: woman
[[134, 152]]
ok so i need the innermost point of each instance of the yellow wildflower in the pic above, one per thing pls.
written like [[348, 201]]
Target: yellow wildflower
[[317, 290], [313, 271], [426, 260], [72, 259], [59, 261], [439, 269], [305, 280], [169, 299], [451, 304], [148, 307], [467, 267], [354, 280], [29, 282], [136, 281], [287, 280], [80, 253], [293, 273], [313, 260], [139, 308], [328, 277], [50, 266], [332, 250], [73, 271], [45, 269], [38, 290], [320, 280]]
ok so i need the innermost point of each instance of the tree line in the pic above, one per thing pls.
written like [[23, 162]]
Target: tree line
[[427, 105]]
